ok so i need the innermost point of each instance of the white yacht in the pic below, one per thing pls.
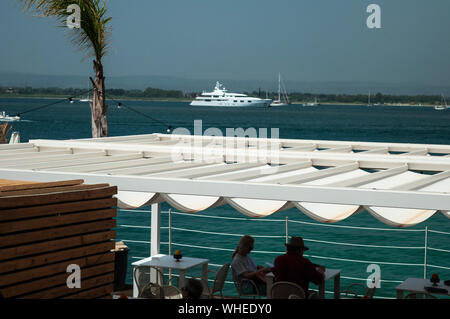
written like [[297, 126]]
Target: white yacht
[[6, 118], [220, 97]]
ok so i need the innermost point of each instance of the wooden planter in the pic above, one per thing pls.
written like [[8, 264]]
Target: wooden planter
[[45, 227]]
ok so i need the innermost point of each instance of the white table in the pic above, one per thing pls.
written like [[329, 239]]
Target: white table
[[329, 273], [417, 285], [166, 261]]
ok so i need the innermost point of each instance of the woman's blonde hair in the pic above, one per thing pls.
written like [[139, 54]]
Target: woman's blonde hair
[[246, 241]]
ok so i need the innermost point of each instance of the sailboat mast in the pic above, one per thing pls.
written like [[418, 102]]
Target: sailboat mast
[[279, 87]]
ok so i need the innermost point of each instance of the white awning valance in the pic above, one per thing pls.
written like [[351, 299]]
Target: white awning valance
[[329, 181]]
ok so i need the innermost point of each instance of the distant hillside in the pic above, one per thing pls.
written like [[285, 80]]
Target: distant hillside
[[198, 85]]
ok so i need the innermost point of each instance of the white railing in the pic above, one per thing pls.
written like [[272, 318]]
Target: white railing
[[425, 248]]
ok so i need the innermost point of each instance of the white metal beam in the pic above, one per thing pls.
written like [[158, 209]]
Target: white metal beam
[[303, 148], [34, 154], [148, 169], [378, 150], [103, 159], [212, 169], [18, 151], [396, 147], [415, 162], [126, 138], [341, 149], [17, 146], [372, 177], [155, 235], [295, 193], [310, 176], [133, 161], [417, 152], [259, 171], [48, 159], [427, 180]]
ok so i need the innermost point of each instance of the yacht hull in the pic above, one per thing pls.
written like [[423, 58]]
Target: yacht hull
[[260, 103]]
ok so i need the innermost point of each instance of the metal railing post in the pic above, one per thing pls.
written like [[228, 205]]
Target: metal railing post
[[425, 254], [170, 242], [287, 229]]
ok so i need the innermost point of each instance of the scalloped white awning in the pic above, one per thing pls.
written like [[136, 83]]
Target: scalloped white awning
[[329, 181]]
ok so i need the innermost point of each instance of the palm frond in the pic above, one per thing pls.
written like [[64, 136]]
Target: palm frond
[[94, 33]]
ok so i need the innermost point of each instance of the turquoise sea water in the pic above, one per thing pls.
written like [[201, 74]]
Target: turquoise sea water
[[328, 245]]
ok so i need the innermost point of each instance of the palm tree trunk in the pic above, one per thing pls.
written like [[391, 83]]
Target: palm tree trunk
[[98, 104], [4, 130]]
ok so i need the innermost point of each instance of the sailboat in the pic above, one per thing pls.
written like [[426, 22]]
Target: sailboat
[[279, 102], [368, 102], [87, 99], [442, 106]]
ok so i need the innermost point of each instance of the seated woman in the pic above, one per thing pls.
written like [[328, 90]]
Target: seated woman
[[243, 267]]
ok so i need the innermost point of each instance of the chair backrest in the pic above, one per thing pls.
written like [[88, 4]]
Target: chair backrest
[[172, 292], [143, 279], [221, 275], [284, 289], [237, 285], [152, 291], [415, 295]]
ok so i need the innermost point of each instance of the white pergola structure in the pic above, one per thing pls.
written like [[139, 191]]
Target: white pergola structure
[[399, 184]]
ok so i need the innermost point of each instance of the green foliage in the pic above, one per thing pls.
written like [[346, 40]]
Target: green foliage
[[93, 36], [148, 93]]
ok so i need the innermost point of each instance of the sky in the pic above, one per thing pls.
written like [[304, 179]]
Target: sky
[[305, 40]]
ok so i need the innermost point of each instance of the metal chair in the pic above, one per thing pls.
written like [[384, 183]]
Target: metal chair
[[219, 281], [423, 295], [368, 293], [238, 285], [286, 289], [155, 289]]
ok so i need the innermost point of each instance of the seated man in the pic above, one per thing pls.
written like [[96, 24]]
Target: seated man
[[293, 267]]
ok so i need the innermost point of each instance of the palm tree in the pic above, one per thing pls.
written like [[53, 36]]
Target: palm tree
[[92, 36]]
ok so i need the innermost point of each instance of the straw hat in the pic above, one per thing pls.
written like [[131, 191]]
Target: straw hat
[[297, 242]]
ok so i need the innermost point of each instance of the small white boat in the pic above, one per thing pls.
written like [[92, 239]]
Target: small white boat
[[311, 103], [6, 118], [442, 106], [285, 100], [221, 97], [87, 99]]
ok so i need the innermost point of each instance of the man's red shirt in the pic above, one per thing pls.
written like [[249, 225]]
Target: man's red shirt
[[295, 268]]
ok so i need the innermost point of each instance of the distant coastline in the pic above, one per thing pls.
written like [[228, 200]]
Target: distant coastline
[[154, 94], [296, 103]]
